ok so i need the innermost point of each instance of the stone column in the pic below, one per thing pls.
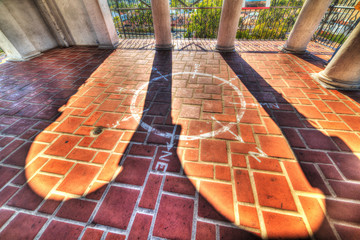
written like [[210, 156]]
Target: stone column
[[162, 26], [102, 23], [13, 39], [229, 23], [306, 24], [343, 71]]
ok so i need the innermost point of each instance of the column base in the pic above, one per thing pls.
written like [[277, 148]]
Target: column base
[[110, 46], [336, 84], [23, 58], [163, 47], [225, 49], [295, 52]]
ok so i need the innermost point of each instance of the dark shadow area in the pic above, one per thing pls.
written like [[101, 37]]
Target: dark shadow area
[[311, 58], [155, 126], [354, 95], [287, 121], [31, 96], [33, 92], [156, 129]]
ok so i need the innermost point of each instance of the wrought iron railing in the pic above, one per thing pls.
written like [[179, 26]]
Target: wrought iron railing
[[199, 19], [132, 18], [339, 21], [274, 23]]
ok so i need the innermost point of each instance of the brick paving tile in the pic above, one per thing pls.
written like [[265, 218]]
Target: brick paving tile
[[244, 192], [23, 226], [274, 191], [117, 207], [114, 236], [207, 211], [7, 173], [250, 216], [92, 234], [6, 193], [57, 166], [49, 206], [348, 164], [312, 207], [273, 225], [220, 195], [174, 220], [77, 181], [151, 191], [5, 215], [31, 195], [61, 230], [63, 146], [228, 233], [179, 185], [75, 209], [205, 231], [134, 171], [141, 226], [245, 147], [344, 189], [347, 232]]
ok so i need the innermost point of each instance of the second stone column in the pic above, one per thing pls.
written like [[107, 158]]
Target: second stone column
[[161, 18], [229, 23]]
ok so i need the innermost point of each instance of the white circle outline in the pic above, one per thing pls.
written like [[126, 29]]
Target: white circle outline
[[149, 128]]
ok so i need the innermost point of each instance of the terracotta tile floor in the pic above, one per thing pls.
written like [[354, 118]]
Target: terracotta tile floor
[[140, 144]]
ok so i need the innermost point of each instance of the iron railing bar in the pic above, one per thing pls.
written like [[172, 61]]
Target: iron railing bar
[[132, 30], [336, 30], [192, 8], [347, 24], [325, 20], [194, 3], [137, 24], [122, 25], [291, 13], [248, 26], [136, 30], [241, 26], [149, 25], [356, 22], [263, 31], [145, 3], [256, 23], [271, 13], [296, 14], [277, 34], [183, 3], [343, 7]]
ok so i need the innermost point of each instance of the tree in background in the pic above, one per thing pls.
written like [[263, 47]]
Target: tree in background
[[204, 23], [131, 17], [202, 19], [273, 23]]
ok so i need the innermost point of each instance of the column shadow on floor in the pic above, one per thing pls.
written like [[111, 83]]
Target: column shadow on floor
[[265, 94]]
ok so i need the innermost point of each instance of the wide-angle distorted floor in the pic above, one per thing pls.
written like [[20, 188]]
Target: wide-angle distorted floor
[[177, 145]]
